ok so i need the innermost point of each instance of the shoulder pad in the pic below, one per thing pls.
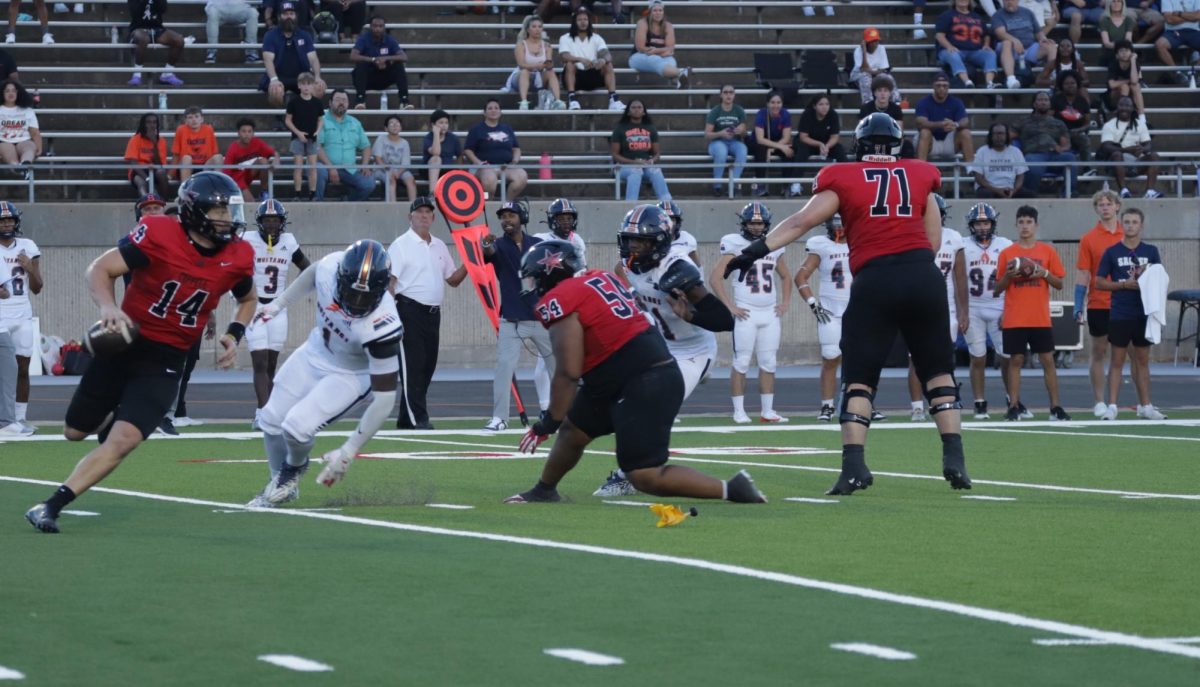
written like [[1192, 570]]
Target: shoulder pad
[[681, 274]]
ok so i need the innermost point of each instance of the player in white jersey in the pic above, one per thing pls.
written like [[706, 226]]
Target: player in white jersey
[[275, 249], [20, 275], [829, 256], [982, 253], [351, 354], [949, 259], [563, 218], [756, 311], [681, 240], [669, 288]]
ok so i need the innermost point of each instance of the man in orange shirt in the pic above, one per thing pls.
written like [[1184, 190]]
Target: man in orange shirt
[[1032, 268], [195, 144], [1105, 234]]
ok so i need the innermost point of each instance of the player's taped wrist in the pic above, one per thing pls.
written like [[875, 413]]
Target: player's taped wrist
[[1080, 295], [236, 330], [372, 419], [811, 300]]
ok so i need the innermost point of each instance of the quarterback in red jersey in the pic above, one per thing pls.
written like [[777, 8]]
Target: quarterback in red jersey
[[632, 386], [181, 269], [892, 223]]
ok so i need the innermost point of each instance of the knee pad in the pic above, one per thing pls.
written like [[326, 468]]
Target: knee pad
[[831, 351], [940, 391], [293, 428], [767, 361], [845, 415], [741, 363]]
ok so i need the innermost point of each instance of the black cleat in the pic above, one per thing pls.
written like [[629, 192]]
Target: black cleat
[[41, 520], [877, 416], [847, 484], [955, 472], [1013, 414], [167, 426], [535, 495], [1057, 413], [740, 489]]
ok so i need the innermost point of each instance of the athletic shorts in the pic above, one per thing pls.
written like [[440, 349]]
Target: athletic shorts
[[1038, 339], [586, 79], [1122, 333], [139, 385], [1097, 321], [307, 396], [641, 415], [694, 370], [757, 335], [829, 334], [983, 323], [300, 148], [269, 335], [21, 332]]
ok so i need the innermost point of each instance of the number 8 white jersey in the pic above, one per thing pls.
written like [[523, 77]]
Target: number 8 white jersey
[[684, 339], [834, 270], [271, 263], [758, 288], [12, 277]]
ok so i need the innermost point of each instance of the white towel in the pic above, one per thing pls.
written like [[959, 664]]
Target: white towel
[[1153, 284]]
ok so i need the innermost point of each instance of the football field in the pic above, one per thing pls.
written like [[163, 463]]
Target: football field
[[1073, 561]]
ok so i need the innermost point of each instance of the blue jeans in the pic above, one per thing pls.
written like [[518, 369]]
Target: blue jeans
[[1091, 15], [632, 176], [359, 185], [985, 59], [720, 150], [650, 64], [1038, 169]]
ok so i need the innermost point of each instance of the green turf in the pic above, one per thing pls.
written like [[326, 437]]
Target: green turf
[[155, 593]]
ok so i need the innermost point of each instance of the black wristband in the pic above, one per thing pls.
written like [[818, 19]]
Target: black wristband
[[237, 330], [547, 426]]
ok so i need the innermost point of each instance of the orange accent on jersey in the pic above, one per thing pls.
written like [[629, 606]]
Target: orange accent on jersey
[[1091, 249], [1027, 301]]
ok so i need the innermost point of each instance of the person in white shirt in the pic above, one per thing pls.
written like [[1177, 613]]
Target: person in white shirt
[[421, 268], [870, 60], [587, 64], [563, 218], [20, 138], [984, 307], [756, 309], [20, 275], [999, 167], [682, 240], [1126, 138]]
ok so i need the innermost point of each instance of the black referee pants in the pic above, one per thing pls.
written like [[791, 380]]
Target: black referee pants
[[419, 354]]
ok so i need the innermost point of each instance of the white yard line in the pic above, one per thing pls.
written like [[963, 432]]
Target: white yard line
[[980, 497], [1084, 434], [586, 657], [84, 513], [449, 506], [618, 502], [885, 652], [10, 674], [297, 663], [804, 499], [1097, 642], [949, 607]]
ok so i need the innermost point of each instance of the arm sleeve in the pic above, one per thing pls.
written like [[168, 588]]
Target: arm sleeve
[[711, 314], [243, 287], [134, 257]]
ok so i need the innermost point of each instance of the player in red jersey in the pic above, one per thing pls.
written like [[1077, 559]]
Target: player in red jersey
[[632, 386], [181, 268], [892, 223]]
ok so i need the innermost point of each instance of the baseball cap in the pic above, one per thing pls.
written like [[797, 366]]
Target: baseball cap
[[150, 199], [941, 76], [870, 34], [287, 6], [422, 202]]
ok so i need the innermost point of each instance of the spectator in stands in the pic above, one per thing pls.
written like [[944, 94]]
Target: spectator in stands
[[1045, 139], [999, 167], [493, 149], [14, 9], [772, 140], [818, 136], [304, 118], [725, 131], [147, 153], [634, 148], [245, 152], [350, 15], [146, 27], [1148, 17], [392, 150], [304, 13], [1125, 76], [378, 65], [20, 138], [1126, 138], [1044, 11], [441, 146], [8, 67], [1080, 12], [942, 124], [1022, 44], [1073, 109], [195, 144], [962, 38], [1183, 30], [535, 62], [236, 12], [587, 64], [882, 90], [546, 9], [287, 53], [870, 60], [654, 46], [918, 17], [1116, 25], [342, 140], [1067, 60]]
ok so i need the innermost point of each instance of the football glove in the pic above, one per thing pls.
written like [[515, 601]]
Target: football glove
[[266, 313], [539, 432], [822, 314], [337, 462], [755, 251]]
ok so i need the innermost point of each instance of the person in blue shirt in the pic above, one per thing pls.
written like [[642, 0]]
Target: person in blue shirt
[[378, 65], [493, 149], [441, 146], [962, 38], [1023, 43], [942, 124], [287, 53], [1119, 269]]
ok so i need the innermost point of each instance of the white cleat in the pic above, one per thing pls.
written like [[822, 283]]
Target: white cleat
[[773, 417], [1110, 413], [918, 415], [1149, 412], [1099, 410], [741, 418]]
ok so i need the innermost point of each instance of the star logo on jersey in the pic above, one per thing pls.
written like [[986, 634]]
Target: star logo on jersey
[[551, 261]]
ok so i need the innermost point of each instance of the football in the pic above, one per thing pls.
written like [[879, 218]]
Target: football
[[101, 341], [1024, 267]]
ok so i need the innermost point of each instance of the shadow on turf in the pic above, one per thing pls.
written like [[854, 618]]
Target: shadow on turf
[[417, 494]]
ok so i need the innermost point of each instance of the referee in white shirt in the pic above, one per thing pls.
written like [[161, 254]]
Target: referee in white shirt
[[421, 266]]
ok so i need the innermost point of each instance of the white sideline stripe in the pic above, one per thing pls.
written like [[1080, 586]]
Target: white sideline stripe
[[979, 613], [805, 499], [884, 652], [449, 506], [989, 498], [299, 663], [590, 658], [84, 513], [1083, 434], [1097, 642], [618, 502], [10, 674]]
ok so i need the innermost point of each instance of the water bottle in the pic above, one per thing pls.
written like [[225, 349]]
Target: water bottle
[[162, 100], [383, 101], [1198, 181], [544, 167]]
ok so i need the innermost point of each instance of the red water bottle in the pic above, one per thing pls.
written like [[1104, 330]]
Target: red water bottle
[[544, 167]]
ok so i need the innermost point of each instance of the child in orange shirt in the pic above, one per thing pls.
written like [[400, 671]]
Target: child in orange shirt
[[195, 144], [147, 151], [1032, 268]]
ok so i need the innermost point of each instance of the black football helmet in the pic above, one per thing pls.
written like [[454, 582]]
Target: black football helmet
[[515, 206], [976, 216], [651, 223], [267, 209], [672, 209], [755, 211], [362, 278], [877, 134], [547, 264], [8, 210], [203, 192], [562, 207], [943, 206], [834, 230]]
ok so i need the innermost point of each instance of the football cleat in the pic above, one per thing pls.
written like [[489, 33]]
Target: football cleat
[[1057, 413], [1110, 412], [615, 485], [1099, 409], [495, 425], [286, 485], [918, 415], [877, 416], [773, 417], [1026, 414], [41, 520], [740, 489], [186, 421], [955, 471], [167, 426], [981, 411], [1149, 412], [260, 501], [535, 496], [826, 414], [1013, 414], [741, 418], [849, 482]]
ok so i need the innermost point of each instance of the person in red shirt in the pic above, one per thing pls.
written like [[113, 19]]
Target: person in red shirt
[[631, 385], [147, 150], [1031, 268], [195, 144], [1091, 303], [248, 150], [181, 269], [891, 222]]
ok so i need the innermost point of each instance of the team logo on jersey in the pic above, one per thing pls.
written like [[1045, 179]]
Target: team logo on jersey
[[551, 261]]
